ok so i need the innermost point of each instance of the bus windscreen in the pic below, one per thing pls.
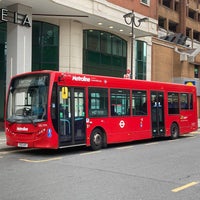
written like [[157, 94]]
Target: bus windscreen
[[27, 99]]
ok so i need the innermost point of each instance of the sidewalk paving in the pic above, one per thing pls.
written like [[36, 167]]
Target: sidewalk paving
[[2, 133]]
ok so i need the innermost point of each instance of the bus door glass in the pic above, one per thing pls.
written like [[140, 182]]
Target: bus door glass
[[157, 113], [71, 116]]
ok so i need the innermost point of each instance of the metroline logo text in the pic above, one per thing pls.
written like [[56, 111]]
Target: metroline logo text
[[80, 78], [22, 129]]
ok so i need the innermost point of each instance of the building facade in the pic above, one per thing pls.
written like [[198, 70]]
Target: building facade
[[176, 50], [87, 36]]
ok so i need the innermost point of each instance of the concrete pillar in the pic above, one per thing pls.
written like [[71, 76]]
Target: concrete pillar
[[64, 46], [149, 59], [76, 47], [71, 46], [19, 43]]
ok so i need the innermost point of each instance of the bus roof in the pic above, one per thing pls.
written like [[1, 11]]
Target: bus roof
[[65, 78]]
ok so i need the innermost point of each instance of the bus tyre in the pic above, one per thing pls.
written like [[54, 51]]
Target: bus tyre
[[174, 131], [96, 139]]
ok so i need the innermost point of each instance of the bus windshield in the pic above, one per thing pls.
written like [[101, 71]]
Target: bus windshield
[[27, 99]]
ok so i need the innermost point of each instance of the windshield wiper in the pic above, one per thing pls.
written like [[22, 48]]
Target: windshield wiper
[[32, 121], [12, 121]]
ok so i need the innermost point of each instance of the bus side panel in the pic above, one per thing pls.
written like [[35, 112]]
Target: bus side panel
[[141, 128], [169, 120], [188, 122], [121, 129]]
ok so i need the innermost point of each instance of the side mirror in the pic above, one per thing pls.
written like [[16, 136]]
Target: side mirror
[[65, 92]]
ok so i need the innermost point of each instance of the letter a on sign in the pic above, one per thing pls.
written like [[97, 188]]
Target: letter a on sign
[[26, 21]]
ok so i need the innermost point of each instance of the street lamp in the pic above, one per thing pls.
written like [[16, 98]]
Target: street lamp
[[129, 18]]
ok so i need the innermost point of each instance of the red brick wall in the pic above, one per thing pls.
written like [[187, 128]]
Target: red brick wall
[[137, 6]]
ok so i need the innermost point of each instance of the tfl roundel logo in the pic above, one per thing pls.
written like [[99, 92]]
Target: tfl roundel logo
[[122, 124]]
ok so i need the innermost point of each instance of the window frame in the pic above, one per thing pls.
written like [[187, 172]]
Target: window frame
[[143, 111], [117, 96], [141, 60], [109, 59], [101, 102], [173, 103], [145, 2], [45, 46]]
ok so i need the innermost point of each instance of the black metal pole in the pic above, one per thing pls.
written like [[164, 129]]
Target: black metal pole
[[132, 46]]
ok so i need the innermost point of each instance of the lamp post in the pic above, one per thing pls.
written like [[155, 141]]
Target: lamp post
[[129, 18]]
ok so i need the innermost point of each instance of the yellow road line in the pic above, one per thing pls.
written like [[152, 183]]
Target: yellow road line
[[40, 161], [172, 140], [178, 189], [14, 151], [90, 153], [126, 147], [152, 143]]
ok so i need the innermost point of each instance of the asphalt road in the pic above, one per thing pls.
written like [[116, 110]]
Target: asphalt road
[[146, 170]]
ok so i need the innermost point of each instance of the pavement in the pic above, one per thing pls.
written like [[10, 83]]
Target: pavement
[[2, 134]]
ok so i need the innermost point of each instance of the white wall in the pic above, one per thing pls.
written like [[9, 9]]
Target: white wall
[[19, 44]]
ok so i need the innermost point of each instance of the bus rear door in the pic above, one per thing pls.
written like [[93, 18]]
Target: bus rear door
[[157, 113], [71, 116]]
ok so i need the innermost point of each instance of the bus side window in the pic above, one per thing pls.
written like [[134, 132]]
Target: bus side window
[[120, 102], [191, 101], [184, 101], [173, 103], [98, 102], [54, 103], [139, 102]]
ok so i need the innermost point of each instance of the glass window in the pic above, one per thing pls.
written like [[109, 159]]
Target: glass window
[[124, 43], [3, 53], [145, 1], [98, 102], [93, 40], [196, 72], [28, 99], [184, 101], [141, 57], [116, 46], [104, 54], [45, 46], [105, 42], [167, 3], [173, 103], [79, 103], [139, 102], [191, 101], [54, 102], [120, 102]]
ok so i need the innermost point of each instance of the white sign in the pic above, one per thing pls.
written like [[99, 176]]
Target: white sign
[[121, 124], [14, 17]]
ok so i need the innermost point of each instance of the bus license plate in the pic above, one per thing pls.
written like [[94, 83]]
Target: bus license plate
[[22, 145]]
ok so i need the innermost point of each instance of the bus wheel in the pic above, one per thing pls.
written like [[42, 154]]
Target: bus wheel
[[96, 139], [174, 131]]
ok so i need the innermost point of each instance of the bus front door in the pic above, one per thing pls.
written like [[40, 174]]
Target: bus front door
[[72, 117], [157, 113]]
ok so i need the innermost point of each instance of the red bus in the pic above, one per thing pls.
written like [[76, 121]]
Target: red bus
[[48, 109]]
